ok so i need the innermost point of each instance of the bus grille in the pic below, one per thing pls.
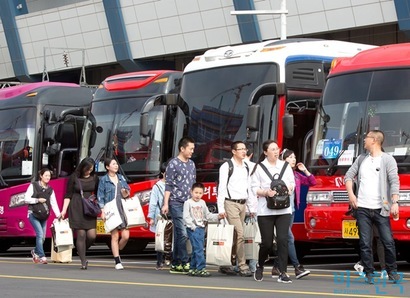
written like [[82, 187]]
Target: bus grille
[[340, 196]]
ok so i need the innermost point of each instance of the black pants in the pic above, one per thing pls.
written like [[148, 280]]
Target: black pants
[[267, 226]]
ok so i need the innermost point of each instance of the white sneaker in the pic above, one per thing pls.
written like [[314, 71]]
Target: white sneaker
[[119, 266], [383, 274], [359, 268]]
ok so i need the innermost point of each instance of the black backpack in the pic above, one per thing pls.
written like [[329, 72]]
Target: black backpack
[[281, 200]]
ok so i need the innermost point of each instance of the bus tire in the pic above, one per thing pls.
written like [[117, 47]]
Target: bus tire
[[5, 245]]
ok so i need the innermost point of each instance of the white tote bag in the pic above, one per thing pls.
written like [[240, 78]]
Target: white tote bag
[[250, 231], [133, 212], [65, 256], [163, 235], [62, 235], [219, 244], [112, 216]]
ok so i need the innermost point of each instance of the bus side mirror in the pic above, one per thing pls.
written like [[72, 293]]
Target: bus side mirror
[[252, 118], [287, 122]]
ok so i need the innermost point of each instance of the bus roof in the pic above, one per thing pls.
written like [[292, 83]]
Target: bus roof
[[132, 80], [388, 56], [278, 51], [15, 91]]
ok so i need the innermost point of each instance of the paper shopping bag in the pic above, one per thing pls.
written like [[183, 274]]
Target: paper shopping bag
[[65, 256], [219, 244], [133, 212], [163, 235], [250, 231], [62, 235], [112, 216]]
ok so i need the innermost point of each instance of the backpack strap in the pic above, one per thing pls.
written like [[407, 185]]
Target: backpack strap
[[230, 172], [283, 170], [269, 174]]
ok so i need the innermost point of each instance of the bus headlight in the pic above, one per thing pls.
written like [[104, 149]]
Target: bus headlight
[[143, 196], [312, 222], [318, 197], [17, 200]]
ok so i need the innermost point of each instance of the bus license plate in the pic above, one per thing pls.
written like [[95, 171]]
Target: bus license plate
[[350, 230], [100, 227]]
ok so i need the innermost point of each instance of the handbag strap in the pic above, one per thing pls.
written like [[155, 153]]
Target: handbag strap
[[81, 187], [269, 174]]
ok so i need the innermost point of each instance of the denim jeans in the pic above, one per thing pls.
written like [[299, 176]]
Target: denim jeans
[[267, 224], [179, 254], [40, 229], [365, 220], [197, 239], [291, 244]]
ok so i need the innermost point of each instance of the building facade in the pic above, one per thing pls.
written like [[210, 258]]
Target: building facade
[[59, 37]]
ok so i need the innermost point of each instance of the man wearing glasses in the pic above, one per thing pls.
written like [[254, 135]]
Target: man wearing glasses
[[233, 201]]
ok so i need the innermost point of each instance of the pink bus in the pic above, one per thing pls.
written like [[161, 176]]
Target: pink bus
[[42, 124]]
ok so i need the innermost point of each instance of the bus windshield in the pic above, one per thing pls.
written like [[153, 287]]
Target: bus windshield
[[374, 100], [120, 136], [218, 99], [17, 139]]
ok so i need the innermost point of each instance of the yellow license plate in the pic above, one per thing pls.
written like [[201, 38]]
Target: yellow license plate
[[350, 230], [100, 227]]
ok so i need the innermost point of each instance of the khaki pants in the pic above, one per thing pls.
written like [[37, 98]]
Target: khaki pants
[[235, 214]]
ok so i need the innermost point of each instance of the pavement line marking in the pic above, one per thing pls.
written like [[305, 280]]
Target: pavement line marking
[[191, 287]]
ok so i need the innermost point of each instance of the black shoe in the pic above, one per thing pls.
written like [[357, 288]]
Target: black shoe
[[227, 270], [284, 278], [245, 273], [369, 278], [301, 272], [258, 275], [84, 267], [395, 277]]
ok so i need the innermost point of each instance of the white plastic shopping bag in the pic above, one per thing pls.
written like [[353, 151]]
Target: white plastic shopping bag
[[62, 235], [219, 244], [133, 212], [112, 216], [163, 235], [251, 229]]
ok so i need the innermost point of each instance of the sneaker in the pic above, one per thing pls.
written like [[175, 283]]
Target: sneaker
[[258, 275], [245, 273], [227, 270], [167, 262], [186, 268], [119, 266], [369, 278], [36, 258], [359, 268], [383, 274], [177, 269], [284, 278], [159, 266], [192, 272], [395, 277], [203, 273], [301, 272], [43, 260], [275, 272]]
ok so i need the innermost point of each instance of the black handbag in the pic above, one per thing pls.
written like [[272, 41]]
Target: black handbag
[[281, 200], [90, 204], [40, 211]]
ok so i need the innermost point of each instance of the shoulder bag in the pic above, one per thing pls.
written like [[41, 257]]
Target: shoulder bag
[[90, 204]]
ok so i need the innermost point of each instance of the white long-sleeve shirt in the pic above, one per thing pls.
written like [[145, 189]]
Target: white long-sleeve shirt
[[29, 200], [260, 180], [197, 213]]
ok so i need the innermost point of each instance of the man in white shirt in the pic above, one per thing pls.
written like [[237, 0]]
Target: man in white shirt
[[233, 194]]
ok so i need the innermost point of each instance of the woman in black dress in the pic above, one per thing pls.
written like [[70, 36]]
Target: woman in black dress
[[85, 226]]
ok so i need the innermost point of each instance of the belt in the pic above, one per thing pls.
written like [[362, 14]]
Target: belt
[[236, 201]]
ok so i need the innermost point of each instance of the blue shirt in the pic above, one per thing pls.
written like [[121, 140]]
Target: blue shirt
[[179, 178]]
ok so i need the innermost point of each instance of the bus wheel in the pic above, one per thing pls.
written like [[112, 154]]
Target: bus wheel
[[5, 245]]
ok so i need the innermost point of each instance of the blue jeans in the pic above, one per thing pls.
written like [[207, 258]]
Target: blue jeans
[[179, 254], [40, 229], [365, 220], [197, 239], [291, 244]]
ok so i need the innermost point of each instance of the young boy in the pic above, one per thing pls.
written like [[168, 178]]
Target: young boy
[[196, 214]]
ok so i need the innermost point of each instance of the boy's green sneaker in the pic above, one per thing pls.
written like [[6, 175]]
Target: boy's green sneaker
[[203, 273], [177, 269], [192, 272], [186, 267]]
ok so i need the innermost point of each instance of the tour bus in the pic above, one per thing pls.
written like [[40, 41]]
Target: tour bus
[[42, 125], [364, 92], [139, 121], [255, 92]]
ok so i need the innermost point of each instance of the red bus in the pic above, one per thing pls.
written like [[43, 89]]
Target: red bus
[[364, 92], [139, 122], [42, 124]]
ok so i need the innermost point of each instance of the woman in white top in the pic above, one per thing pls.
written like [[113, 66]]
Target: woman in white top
[[271, 219]]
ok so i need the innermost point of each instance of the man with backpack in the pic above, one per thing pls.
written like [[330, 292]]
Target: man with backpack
[[233, 201]]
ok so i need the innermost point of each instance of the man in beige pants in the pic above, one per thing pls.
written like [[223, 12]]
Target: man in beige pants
[[233, 200]]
